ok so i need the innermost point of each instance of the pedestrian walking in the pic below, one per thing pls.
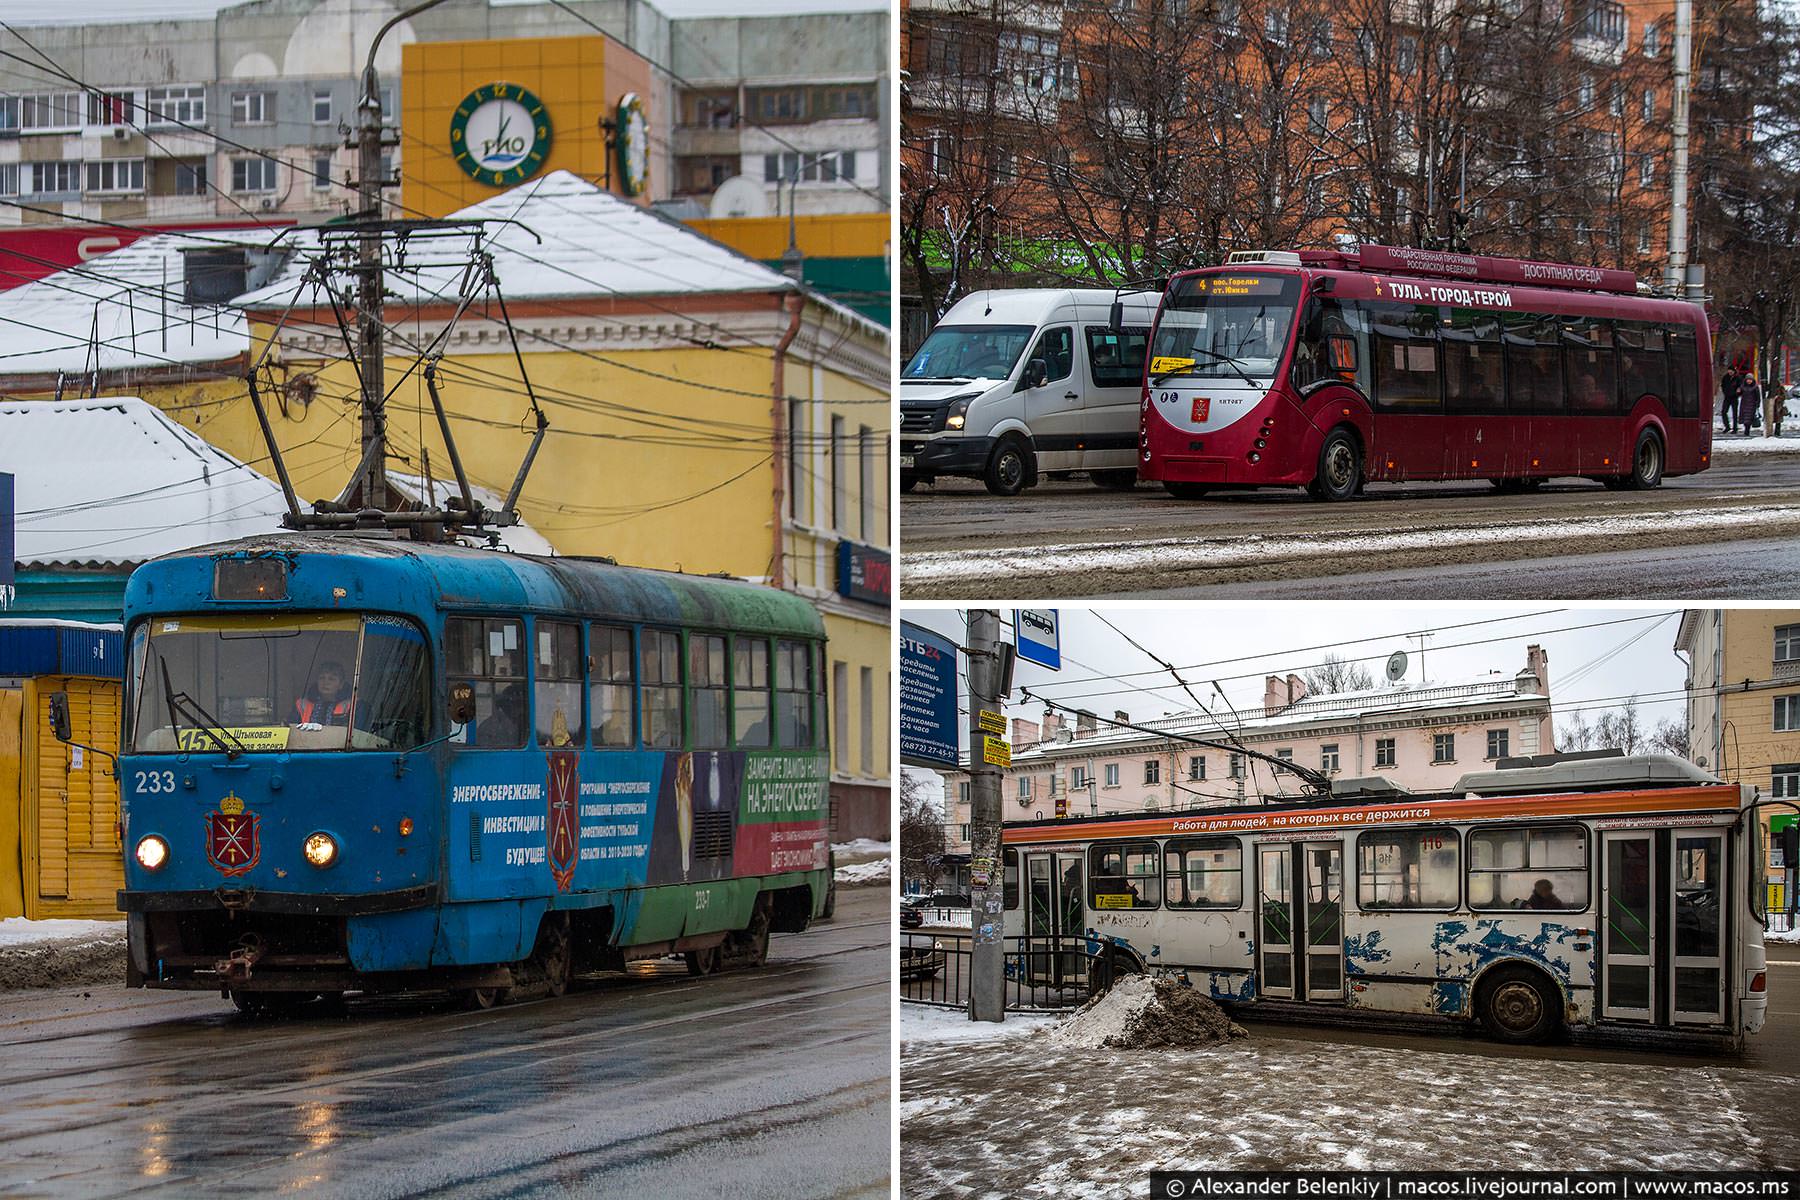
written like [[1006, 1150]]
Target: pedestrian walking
[[1728, 398], [1750, 401], [1776, 403]]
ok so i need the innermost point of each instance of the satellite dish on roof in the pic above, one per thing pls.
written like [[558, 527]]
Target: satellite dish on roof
[[740, 196], [1396, 666]]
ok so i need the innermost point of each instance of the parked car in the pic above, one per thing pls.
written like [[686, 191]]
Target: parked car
[[911, 916], [920, 958]]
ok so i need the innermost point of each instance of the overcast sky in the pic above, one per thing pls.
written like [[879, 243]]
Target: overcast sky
[[1597, 656]]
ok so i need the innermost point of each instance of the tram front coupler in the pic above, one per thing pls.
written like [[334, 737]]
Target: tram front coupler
[[234, 969]]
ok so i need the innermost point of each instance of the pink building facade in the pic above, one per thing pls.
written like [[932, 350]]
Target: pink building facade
[[1421, 738]]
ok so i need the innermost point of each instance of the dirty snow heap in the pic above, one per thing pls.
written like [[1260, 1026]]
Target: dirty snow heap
[[1140, 1013]]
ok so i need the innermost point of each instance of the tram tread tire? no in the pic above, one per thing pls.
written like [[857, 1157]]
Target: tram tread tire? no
[[1646, 463], [1519, 1004], [1339, 476]]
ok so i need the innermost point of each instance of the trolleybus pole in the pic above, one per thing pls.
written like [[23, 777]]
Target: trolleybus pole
[[987, 966]]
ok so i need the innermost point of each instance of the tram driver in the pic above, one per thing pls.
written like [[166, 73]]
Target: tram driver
[[327, 701]]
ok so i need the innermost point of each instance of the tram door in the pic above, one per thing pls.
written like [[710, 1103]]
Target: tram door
[[1053, 920], [1663, 895], [1300, 920]]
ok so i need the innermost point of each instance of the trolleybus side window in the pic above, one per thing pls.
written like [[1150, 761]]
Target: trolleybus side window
[[1203, 873], [711, 687], [1116, 357], [1590, 367], [793, 694], [1530, 867], [1643, 364], [1471, 348], [1534, 374], [1404, 346], [489, 655], [614, 686], [750, 690], [1408, 868], [1124, 875], [1685, 361], [1333, 347], [662, 688], [556, 692]]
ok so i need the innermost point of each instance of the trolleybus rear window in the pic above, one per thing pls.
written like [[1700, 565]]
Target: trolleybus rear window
[[287, 681]]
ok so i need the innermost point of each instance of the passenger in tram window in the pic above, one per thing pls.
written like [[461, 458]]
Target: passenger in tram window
[[326, 702], [1543, 895], [506, 725]]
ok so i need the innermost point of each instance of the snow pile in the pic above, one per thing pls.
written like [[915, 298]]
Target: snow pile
[[45, 954], [1790, 936], [862, 848], [928, 1023], [1788, 443], [1141, 1013], [876, 870]]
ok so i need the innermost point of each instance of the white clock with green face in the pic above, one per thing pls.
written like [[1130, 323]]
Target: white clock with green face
[[500, 134], [633, 139]]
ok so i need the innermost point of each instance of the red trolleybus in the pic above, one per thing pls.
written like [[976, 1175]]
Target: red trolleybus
[[1328, 369]]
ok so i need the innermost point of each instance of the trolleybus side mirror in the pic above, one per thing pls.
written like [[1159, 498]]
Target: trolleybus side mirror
[[462, 703], [1342, 348], [59, 716], [1115, 316]]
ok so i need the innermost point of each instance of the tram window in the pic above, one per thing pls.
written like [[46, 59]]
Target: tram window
[[1471, 346], [1116, 358], [1124, 875], [556, 690], [662, 688], [793, 693], [1531, 867], [1684, 363], [1203, 873], [1408, 868], [613, 683], [1643, 364], [750, 690], [1534, 376], [489, 656], [1010, 879], [1590, 367], [706, 676], [1404, 345], [393, 683]]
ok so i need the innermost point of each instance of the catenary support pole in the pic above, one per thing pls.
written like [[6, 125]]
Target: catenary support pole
[[987, 967], [1678, 174]]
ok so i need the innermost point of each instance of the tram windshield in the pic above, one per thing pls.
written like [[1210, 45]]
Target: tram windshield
[[289, 682], [1224, 326]]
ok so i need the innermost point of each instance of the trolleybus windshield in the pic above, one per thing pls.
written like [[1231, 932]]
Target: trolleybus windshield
[[286, 682], [1222, 326], [964, 352]]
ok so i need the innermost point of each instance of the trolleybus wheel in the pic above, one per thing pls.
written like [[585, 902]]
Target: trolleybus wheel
[[1518, 1004], [1121, 480], [704, 962], [1186, 491], [1646, 462], [1340, 468], [1007, 468]]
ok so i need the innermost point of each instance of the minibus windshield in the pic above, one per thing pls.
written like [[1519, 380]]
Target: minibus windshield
[[960, 353]]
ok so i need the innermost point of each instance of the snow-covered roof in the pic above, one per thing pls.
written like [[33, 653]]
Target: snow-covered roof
[[1471, 695], [520, 538], [112, 481], [594, 244], [128, 303]]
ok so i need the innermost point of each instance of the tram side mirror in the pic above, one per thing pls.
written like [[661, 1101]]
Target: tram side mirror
[[1115, 316], [462, 703], [59, 716], [1037, 373]]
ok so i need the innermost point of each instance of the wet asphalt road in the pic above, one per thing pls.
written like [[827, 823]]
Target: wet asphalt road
[[1696, 536], [761, 1083]]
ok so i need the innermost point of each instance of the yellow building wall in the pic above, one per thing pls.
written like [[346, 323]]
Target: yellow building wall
[[68, 815], [824, 235], [579, 79], [861, 644], [12, 877]]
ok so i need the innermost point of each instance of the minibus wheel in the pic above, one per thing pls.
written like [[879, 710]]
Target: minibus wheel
[[1340, 468], [1008, 468], [1646, 462], [1518, 1004]]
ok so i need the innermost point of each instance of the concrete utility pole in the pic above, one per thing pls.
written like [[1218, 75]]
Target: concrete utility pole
[[987, 877], [1681, 279], [369, 345]]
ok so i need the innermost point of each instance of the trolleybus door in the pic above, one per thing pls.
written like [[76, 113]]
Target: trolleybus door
[[1053, 919], [1663, 894], [1300, 929], [1628, 925]]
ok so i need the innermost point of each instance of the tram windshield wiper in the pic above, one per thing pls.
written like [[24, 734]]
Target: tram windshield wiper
[[181, 704]]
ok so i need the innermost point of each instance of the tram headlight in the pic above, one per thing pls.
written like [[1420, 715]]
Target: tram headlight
[[321, 849], [152, 852]]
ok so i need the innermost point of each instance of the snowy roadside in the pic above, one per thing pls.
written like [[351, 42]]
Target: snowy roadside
[[1725, 444], [47, 954], [863, 862]]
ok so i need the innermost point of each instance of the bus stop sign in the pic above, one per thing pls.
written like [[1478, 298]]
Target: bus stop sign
[[1035, 634]]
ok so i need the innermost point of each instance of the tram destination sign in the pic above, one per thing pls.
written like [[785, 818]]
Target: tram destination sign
[[929, 736]]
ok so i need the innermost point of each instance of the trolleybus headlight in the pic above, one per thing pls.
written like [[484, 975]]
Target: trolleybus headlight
[[152, 852], [321, 849]]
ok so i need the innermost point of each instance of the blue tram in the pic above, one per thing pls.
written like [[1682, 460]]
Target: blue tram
[[362, 763]]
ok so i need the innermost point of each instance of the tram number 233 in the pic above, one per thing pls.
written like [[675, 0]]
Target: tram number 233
[[153, 781]]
